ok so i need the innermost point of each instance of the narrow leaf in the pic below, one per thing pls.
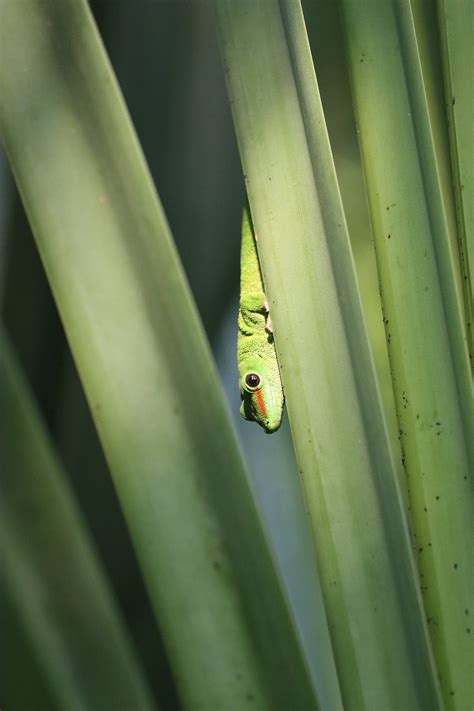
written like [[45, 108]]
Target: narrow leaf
[[50, 576], [456, 24], [432, 387], [343, 451]]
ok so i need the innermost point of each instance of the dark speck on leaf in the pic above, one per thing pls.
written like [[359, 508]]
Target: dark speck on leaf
[[455, 566], [216, 565]]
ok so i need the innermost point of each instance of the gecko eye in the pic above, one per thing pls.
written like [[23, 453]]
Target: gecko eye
[[252, 380]]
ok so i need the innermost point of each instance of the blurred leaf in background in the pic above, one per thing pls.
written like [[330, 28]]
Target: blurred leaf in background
[[57, 608], [166, 59]]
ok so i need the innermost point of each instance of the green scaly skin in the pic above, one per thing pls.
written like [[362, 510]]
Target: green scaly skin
[[256, 355]]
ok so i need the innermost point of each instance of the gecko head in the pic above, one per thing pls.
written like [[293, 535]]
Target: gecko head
[[262, 397]]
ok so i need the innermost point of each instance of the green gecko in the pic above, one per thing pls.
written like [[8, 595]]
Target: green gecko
[[261, 390]]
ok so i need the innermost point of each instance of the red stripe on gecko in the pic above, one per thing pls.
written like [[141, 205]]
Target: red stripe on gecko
[[261, 403]]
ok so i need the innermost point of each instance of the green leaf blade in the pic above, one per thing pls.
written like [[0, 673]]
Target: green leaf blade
[[456, 25], [350, 483], [50, 574], [432, 387]]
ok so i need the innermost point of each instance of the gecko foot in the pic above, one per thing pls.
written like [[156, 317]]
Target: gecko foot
[[268, 322]]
